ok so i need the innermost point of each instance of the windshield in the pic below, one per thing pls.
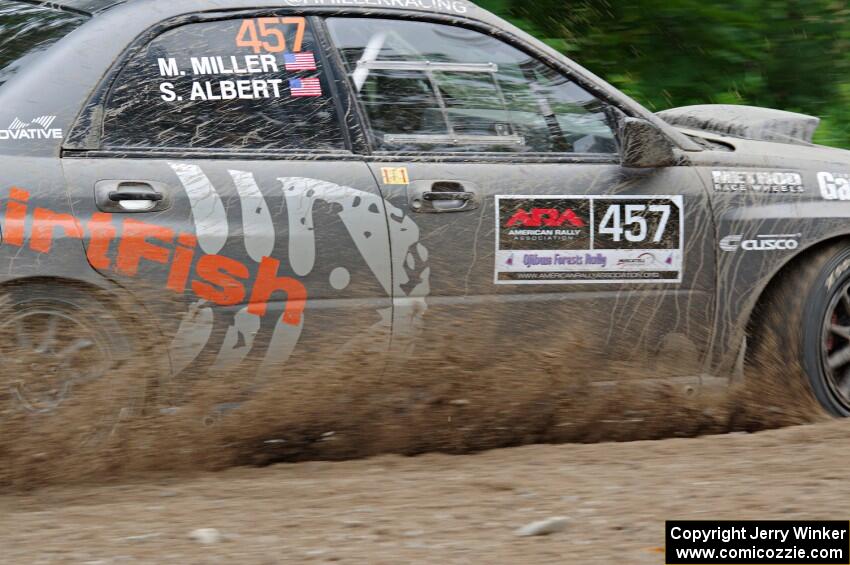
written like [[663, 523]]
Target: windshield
[[26, 31]]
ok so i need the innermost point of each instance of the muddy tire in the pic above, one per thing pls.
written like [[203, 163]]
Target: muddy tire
[[68, 353], [801, 333]]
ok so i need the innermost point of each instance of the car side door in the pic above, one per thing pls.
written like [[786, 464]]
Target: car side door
[[539, 241], [214, 175]]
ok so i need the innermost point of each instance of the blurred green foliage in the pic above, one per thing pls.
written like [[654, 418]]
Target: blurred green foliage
[[786, 54]]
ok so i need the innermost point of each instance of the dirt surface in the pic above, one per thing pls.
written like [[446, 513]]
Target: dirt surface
[[441, 508], [121, 474]]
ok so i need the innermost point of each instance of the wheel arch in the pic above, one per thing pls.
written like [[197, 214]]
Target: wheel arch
[[107, 292], [761, 296], [58, 280]]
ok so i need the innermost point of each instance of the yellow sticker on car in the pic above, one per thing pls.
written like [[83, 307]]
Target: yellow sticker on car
[[395, 175]]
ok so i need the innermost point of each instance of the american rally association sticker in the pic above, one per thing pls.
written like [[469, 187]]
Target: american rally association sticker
[[589, 239]]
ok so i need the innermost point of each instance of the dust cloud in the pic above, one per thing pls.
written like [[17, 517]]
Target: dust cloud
[[352, 406]]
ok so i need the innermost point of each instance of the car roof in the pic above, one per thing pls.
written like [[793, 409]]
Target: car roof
[[87, 7], [448, 7]]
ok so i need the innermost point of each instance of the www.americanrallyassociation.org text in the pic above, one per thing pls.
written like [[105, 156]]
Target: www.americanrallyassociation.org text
[[730, 533]]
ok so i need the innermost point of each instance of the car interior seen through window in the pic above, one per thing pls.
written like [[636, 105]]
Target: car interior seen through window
[[439, 88]]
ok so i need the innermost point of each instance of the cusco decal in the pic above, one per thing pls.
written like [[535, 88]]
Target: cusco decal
[[589, 239], [770, 242]]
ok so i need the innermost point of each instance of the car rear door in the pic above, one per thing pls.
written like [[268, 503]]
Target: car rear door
[[538, 241], [215, 180]]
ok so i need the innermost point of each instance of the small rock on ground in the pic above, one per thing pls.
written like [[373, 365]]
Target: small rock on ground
[[544, 527], [206, 536]]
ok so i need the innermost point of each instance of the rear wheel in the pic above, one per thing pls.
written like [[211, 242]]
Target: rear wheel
[[64, 349], [802, 332]]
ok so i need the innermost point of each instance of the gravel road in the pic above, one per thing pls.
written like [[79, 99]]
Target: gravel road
[[439, 508]]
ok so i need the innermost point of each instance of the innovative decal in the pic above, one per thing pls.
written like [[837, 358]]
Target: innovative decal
[[589, 239], [760, 182], [39, 128]]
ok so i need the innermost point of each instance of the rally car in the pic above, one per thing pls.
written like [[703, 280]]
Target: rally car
[[240, 186]]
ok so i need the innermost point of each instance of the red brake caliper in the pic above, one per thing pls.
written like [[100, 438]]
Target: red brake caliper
[[830, 341]]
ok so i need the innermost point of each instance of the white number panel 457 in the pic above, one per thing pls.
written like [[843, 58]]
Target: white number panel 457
[[558, 239]]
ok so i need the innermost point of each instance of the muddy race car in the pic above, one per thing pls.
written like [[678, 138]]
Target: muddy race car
[[255, 188]]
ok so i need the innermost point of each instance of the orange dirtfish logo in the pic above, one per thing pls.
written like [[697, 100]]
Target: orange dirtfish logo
[[215, 278]]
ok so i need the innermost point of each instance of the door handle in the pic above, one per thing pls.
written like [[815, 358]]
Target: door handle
[[131, 196], [442, 197], [136, 192], [447, 196]]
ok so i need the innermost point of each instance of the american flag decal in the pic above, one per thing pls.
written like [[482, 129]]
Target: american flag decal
[[299, 61], [305, 87]]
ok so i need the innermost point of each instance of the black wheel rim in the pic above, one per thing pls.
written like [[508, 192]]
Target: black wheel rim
[[49, 351], [835, 346]]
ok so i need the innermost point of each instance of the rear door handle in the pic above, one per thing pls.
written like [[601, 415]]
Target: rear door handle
[[447, 196], [442, 197], [131, 196]]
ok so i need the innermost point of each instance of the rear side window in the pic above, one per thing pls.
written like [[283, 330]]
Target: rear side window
[[429, 87], [26, 31], [246, 84]]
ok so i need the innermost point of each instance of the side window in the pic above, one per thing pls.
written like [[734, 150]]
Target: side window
[[255, 84], [440, 88]]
